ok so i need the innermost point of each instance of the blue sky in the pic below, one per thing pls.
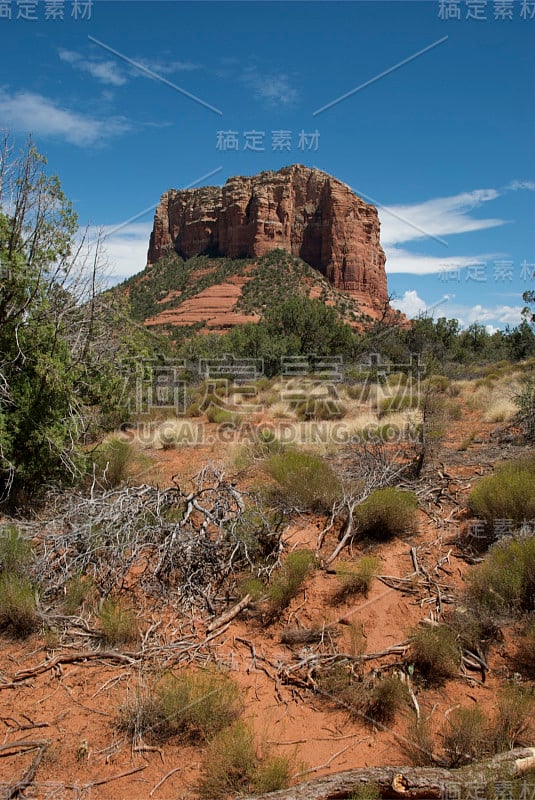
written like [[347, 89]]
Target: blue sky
[[437, 127]]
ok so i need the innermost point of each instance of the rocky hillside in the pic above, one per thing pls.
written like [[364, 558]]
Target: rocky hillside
[[303, 211]]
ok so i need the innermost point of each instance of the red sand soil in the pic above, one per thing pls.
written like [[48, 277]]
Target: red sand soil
[[75, 706]]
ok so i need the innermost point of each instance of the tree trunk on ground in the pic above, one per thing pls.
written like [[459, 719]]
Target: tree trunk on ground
[[411, 783]]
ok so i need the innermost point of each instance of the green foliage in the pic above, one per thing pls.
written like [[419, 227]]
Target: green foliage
[[15, 551], [231, 766], [357, 578], [504, 583], [290, 579], [18, 607], [118, 624], [435, 652], [386, 513], [507, 494], [304, 480], [320, 409]]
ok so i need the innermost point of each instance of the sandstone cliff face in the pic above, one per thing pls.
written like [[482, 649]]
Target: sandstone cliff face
[[299, 209]]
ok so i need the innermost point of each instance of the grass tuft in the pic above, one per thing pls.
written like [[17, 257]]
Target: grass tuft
[[386, 513]]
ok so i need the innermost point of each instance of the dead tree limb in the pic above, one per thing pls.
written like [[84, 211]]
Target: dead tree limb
[[410, 783]]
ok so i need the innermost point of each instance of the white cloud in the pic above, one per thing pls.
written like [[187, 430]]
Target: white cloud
[[437, 217], [514, 186], [273, 88], [399, 260], [168, 67], [125, 249], [108, 72], [493, 318], [34, 113]]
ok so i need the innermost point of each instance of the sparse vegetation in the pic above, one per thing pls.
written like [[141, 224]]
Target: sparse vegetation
[[116, 460], [232, 766], [304, 480], [465, 736], [118, 623], [18, 607], [435, 653], [290, 579], [15, 551], [356, 578], [386, 513], [192, 705]]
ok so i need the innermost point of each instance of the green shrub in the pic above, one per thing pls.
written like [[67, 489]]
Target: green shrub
[[118, 624], [18, 607], [192, 705], [357, 578], [290, 578], [15, 550], [435, 652], [197, 704], [386, 513], [508, 494], [304, 480], [386, 697], [222, 416], [465, 736], [231, 766], [504, 583], [514, 715], [319, 409]]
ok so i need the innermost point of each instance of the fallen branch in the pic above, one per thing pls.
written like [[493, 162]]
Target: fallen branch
[[168, 775], [229, 615], [411, 783], [70, 658], [28, 777]]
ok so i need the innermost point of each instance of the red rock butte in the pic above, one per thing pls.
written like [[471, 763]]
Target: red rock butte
[[298, 209]]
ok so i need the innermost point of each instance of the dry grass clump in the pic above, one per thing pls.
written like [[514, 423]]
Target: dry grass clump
[[290, 579], [465, 737], [386, 513], [116, 460], [356, 578], [524, 659], [175, 433], [232, 766], [118, 624], [501, 409], [372, 699], [193, 705], [18, 603], [435, 653]]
